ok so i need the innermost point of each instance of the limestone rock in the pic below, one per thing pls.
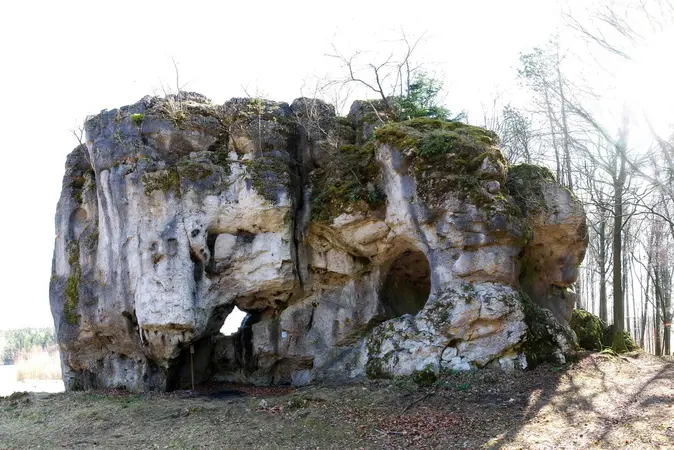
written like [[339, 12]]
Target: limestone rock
[[559, 229], [355, 247]]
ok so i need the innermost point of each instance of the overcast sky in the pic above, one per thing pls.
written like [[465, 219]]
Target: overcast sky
[[61, 61]]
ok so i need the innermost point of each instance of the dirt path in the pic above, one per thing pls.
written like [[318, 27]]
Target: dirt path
[[599, 402]]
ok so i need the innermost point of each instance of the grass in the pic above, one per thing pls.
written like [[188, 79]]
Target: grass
[[38, 364], [596, 403]]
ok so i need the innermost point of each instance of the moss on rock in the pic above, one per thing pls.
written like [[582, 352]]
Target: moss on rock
[[619, 342], [425, 377], [447, 157], [71, 290], [193, 171], [589, 329], [161, 180], [376, 364], [269, 174], [349, 183], [525, 183], [539, 344]]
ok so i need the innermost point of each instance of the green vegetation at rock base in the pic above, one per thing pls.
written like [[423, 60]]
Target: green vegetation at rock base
[[619, 342], [593, 334], [425, 377], [539, 344], [589, 329]]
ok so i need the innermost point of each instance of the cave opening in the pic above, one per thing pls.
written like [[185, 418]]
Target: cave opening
[[223, 354], [233, 322], [407, 284]]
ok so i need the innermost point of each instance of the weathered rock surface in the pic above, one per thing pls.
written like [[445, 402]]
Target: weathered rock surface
[[355, 248]]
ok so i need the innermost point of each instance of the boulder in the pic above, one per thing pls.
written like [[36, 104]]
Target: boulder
[[358, 247]]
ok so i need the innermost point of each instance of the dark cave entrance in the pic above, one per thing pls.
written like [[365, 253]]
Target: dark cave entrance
[[407, 284], [218, 356]]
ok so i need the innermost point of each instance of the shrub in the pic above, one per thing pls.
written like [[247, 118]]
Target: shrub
[[38, 364], [137, 119]]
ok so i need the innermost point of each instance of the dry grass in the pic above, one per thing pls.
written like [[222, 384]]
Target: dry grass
[[38, 364], [599, 402]]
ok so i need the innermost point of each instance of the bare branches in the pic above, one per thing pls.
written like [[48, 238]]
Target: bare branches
[[387, 78], [78, 132]]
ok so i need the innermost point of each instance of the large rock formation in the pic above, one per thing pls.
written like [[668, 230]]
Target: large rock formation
[[356, 247]]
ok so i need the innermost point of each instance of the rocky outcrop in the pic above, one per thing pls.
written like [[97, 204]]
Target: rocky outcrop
[[357, 248]]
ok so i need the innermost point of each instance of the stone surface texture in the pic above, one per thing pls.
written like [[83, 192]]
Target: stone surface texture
[[356, 248]]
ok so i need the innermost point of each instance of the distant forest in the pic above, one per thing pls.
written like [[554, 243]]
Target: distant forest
[[14, 342]]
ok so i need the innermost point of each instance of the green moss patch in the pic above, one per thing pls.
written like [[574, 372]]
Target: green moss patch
[[425, 377], [376, 364], [349, 183], [269, 174], [161, 180], [525, 183], [435, 136], [539, 343], [589, 329], [193, 171], [445, 157], [71, 290], [619, 342]]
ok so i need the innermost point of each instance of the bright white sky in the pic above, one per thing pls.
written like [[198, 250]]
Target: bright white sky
[[61, 61]]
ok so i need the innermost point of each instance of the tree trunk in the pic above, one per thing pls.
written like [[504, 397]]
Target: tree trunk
[[603, 302], [644, 311], [553, 134], [656, 327], [565, 128], [618, 300], [625, 283]]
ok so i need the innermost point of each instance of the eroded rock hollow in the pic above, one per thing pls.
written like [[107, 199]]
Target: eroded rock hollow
[[356, 247]]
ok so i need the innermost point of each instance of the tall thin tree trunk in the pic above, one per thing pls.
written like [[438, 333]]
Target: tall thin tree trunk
[[594, 303], [603, 302], [553, 134], [625, 288], [644, 311], [635, 322], [618, 300], [565, 128], [656, 327]]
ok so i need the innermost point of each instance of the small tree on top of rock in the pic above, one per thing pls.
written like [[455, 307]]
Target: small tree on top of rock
[[403, 88]]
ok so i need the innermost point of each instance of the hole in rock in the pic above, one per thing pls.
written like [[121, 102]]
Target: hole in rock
[[233, 322], [407, 285], [224, 354]]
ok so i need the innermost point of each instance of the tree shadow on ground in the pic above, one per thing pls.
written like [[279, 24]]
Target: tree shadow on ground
[[591, 402]]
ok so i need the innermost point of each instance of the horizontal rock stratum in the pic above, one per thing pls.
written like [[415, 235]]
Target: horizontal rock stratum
[[357, 247]]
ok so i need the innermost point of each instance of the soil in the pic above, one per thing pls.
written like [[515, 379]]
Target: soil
[[601, 401]]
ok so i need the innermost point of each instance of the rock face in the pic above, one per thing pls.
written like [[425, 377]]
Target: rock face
[[356, 248]]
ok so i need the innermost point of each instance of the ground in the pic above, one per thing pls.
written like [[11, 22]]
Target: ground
[[601, 401]]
